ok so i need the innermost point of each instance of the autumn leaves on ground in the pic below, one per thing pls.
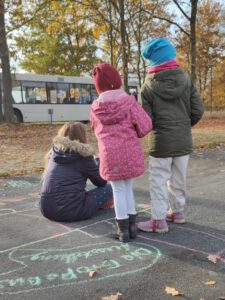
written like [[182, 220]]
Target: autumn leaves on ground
[[23, 146]]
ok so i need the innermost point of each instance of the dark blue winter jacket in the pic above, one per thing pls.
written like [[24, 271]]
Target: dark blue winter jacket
[[63, 194]]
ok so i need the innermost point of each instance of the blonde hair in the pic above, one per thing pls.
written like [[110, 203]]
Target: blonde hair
[[72, 130]]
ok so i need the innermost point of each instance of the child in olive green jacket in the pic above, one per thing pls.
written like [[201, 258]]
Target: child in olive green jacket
[[173, 103]]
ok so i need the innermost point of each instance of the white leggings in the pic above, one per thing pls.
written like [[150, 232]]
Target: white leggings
[[124, 203]]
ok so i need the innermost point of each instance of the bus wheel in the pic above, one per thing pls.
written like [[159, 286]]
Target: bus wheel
[[18, 116]]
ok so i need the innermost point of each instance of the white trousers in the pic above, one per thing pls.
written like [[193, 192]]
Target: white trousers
[[123, 195], [167, 184]]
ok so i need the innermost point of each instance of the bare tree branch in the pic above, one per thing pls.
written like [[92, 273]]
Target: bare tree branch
[[27, 21], [114, 5], [98, 12], [181, 9], [167, 20]]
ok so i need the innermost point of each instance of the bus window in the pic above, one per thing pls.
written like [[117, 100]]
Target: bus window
[[94, 94], [74, 93], [34, 92], [80, 93], [16, 92], [133, 91], [85, 97], [52, 92], [63, 93]]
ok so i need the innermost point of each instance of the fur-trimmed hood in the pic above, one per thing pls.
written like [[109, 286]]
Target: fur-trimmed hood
[[66, 151]]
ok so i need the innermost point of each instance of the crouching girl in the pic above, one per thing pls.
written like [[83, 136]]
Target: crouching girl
[[70, 163]]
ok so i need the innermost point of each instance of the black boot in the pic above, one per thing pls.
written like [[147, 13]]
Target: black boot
[[132, 226], [123, 230]]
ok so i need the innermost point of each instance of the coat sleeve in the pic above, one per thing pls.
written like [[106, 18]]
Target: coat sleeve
[[140, 119], [146, 100], [91, 171], [92, 123], [196, 106]]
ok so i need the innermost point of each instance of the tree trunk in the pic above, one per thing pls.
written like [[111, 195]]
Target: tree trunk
[[1, 112], [111, 34], [6, 76], [123, 41], [194, 4], [139, 44]]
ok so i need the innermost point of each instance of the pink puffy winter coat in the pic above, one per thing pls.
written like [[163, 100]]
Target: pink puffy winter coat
[[118, 121]]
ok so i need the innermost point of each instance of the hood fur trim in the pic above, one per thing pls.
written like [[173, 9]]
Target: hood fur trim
[[65, 144]]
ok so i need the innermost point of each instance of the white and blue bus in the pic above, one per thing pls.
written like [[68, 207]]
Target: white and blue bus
[[47, 98]]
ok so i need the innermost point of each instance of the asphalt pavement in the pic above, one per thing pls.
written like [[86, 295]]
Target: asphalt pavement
[[43, 260]]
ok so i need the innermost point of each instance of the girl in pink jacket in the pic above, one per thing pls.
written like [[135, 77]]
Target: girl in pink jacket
[[118, 121]]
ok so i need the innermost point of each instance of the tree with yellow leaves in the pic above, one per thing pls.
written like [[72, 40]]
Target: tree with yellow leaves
[[60, 41], [210, 48]]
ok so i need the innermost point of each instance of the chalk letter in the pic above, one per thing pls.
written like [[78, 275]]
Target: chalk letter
[[113, 264], [69, 275], [83, 270], [13, 282], [34, 280], [52, 276], [142, 251], [128, 257]]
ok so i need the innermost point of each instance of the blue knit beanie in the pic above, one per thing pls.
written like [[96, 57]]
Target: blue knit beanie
[[159, 51]]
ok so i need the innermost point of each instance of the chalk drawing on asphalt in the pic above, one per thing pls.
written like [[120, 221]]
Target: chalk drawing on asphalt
[[6, 211], [19, 183], [13, 283], [59, 225], [110, 259]]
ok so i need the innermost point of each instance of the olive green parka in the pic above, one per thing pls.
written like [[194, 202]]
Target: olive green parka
[[173, 103]]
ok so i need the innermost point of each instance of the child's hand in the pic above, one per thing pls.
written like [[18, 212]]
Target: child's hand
[[97, 161], [96, 156]]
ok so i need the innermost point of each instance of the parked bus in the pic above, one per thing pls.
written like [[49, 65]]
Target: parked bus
[[44, 98]]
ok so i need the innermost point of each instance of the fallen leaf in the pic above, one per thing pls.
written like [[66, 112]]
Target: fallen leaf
[[92, 273], [116, 296], [212, 258], [172, 291], [210, 282]]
